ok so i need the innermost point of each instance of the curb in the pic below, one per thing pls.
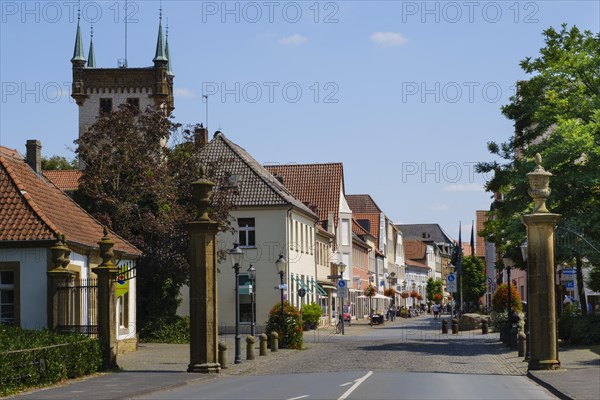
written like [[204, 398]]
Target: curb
[[552, 389]]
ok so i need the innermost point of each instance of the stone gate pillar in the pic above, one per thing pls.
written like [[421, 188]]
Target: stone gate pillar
[[204, 334], [107, 304], [58, 276], [541, 305]]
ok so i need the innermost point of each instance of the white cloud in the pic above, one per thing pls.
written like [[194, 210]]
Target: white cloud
[[293, 39], [388, 39], [461, 187], [184, 92], [439, 207]]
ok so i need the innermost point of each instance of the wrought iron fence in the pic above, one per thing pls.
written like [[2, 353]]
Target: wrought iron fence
[[77, 307]]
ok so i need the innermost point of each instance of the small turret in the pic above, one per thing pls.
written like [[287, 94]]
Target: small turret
[[168, 55], [91, 56], [78, 53], [160, 57]]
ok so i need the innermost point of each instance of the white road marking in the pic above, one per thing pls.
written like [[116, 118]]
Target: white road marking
[[356, 384], [346, 384], [299, 397]]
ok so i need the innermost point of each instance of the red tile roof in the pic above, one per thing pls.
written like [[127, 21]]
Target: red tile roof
[[359, 230], [33, 209], [65, 180], [373, 222], [414, 249], [362, 203], [319, 184], [256, 186]]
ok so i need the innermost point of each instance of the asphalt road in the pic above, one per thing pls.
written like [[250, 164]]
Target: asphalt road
[[360, 385]]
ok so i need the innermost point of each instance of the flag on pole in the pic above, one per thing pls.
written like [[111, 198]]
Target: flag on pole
[[472, 238], [458, 251]]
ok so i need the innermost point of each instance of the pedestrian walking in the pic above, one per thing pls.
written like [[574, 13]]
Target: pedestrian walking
[[436, 311]]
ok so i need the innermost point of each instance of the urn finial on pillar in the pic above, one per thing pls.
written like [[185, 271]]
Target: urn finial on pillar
[[201, 192], [539, 185]]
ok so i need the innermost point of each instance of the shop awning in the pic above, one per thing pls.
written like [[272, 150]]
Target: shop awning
[[318, 289], [302, 284]]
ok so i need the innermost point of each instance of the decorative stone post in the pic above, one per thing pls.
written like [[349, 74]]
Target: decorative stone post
[[58, 276], [540, 273], [107, 307], [204, 334]]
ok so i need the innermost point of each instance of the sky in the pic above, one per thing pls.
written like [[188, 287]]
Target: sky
[[406, 94]]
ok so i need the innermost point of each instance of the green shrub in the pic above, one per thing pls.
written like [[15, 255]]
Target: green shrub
[[500, 298], [579, 329], [174, 330], [311, 313], [38, 358], [293, 337]]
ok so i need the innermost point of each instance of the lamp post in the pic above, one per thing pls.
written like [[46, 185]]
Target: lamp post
[[371, 278], [252, 275], [341, 268], [281, 265], [237, 256], [527, 319]]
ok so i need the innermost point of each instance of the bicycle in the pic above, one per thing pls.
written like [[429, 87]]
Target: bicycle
[[338, 326]]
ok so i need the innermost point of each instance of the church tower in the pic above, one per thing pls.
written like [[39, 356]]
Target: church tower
[[97, 90]]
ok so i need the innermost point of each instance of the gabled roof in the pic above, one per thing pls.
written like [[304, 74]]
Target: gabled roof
[[319, 184], [359, 230], [373, 224], [256, 185], [65, 179], [362, 204], [425, 233], [33, 209]]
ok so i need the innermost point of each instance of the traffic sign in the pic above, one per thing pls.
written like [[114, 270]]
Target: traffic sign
[[334, 276], [571, 285], [301, 292], [282, 286], [342, 289], [451, 283], [568, 271]]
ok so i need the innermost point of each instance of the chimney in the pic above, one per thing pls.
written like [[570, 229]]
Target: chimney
[[34, 155], [200, 136]]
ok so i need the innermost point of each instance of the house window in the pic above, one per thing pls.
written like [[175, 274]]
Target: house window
[[302, 237], [9, 293], [124, 311], [105, 105], [247, 233], [345, 232], [134, 102]]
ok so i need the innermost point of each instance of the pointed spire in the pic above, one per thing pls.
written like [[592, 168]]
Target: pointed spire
[[78, 53], [160, 48], [169, 70], [91, 56]]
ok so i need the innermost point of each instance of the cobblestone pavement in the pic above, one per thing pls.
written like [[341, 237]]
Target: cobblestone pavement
[[416, 347]]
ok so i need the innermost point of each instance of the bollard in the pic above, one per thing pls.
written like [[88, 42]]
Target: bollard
[[250, 348], [445, 326], [512, 342], [484, 327], [223, 355], [454, 326], [274, 341], [263, 344], [521, 344]]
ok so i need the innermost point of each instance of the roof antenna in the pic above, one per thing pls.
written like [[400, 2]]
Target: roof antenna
[[205, 96]]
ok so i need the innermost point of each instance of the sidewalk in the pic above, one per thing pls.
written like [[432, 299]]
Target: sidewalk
[[578, 378]]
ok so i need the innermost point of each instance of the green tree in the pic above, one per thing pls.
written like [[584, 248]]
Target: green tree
[[141, 188], [58, 163], [434, 287], [472, 279], [556, 113]]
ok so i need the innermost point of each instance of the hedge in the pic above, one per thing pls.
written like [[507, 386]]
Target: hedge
[[38, 358], [579, 329]]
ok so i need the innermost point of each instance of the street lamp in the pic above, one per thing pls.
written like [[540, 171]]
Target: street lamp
[[341, 268], [371, 279], [252, 275], [281, 265], [237, 256]]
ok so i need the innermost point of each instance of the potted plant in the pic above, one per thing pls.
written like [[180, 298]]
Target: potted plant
[[311, 313], [404, 295], [370, 291], [390, 292], [414, 294]]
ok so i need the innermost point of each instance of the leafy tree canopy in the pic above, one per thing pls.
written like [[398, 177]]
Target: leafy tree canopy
[[58, 163], [556, 113]]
